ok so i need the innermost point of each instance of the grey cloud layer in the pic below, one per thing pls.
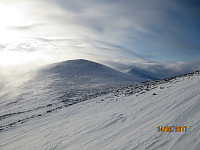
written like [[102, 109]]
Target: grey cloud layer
[[162, 26]]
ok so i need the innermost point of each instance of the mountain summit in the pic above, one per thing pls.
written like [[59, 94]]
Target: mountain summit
[[83, 67]]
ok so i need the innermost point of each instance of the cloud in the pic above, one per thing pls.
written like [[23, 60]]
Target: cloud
[[124, 31], [24, 27], [152, 26], [163, 70], [157, 69], [2, 46]]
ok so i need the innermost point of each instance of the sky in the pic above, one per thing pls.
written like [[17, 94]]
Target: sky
[[149, 34]]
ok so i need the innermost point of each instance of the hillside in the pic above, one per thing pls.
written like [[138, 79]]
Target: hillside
[[55, 87], [126, 118]]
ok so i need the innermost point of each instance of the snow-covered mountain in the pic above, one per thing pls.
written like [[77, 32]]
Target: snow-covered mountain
[[91, 71], [57, 86], [42, 116], [137, 73]]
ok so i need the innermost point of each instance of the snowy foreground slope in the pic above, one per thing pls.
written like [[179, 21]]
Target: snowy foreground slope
[[123, 119], [55, 87]]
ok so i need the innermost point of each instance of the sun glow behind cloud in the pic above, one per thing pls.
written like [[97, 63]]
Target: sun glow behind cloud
[[10, 16]]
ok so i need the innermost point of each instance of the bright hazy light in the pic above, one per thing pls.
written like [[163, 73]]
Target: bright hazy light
[[8, 58], [10, 16], [14, 16]]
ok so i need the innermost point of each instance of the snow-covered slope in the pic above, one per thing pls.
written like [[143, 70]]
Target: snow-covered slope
[[126, 118], [54, 87]]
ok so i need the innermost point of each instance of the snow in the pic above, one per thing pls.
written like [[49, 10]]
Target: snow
[[126, 118], [53, 87]]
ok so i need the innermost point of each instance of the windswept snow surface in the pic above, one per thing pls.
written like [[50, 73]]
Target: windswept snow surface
[[54, 87], [126, 118]]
